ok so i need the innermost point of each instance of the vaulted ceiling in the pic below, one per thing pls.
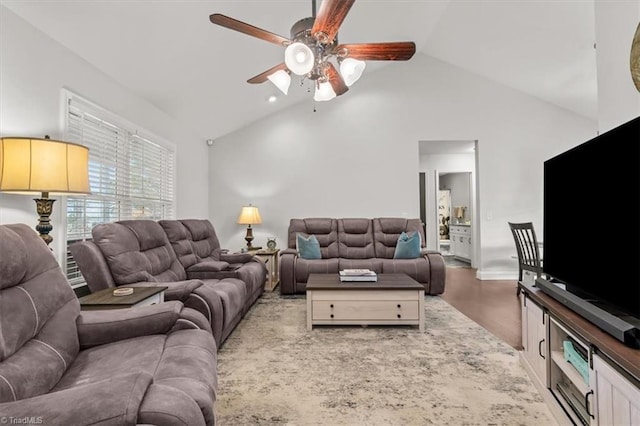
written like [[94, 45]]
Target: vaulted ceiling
[[169, 53]]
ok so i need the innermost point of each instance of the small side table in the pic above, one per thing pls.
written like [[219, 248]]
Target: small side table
[[272, 260], [104, 299]]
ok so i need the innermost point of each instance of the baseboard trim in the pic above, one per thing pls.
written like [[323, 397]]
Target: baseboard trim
[[496, 275]]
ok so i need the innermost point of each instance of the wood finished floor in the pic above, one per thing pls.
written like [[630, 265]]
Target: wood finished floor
[[492, 304]]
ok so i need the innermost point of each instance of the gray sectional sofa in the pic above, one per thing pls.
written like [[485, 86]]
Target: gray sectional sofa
[[61, 366], [361, 244], [184, 256]]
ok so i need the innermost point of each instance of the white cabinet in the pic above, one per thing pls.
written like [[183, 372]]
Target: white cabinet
[[534, 339], [574, 366], [616, 399], [460, 236]]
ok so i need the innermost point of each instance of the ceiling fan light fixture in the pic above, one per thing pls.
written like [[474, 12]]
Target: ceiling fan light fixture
[[324, 92], [299, 58], [281, 79], [351, 70]]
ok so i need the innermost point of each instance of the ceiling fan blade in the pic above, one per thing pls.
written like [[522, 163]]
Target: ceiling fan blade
[[329, 19], [262, 77], [234, 24], [393, 51], [336, 81]]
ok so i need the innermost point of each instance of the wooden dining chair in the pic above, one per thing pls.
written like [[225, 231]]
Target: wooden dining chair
[[527, 248]]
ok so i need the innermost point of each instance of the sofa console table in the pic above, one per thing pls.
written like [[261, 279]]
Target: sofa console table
[[599, 387], [104, 299]]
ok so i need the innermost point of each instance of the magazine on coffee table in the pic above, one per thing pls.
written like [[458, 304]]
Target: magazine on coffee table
[[358, 275]]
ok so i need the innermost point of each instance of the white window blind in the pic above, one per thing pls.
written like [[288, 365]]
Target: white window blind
[[131, 176]]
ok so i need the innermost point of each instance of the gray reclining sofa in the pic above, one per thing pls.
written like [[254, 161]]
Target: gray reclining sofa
[[355, 243], [61, 366], [139, 252]]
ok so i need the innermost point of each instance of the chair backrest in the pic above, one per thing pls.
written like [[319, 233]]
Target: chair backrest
[[38, 312], [529, 259]]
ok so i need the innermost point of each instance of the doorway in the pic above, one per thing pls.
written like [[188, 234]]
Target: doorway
[[448, 199]]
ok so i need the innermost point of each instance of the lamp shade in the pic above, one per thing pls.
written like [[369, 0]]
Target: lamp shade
[[43, 165], [281, 79], [299, 58], [324, 92], [351, 70], [249, 215]]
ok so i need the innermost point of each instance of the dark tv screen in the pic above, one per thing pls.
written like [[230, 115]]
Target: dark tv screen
[[591, 235]]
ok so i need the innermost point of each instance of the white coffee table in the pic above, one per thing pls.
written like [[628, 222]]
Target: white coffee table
[[395, 299]]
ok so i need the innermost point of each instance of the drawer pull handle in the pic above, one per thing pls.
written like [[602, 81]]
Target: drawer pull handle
[[331, 315], [331, 306], [399, 306], [399, 316]]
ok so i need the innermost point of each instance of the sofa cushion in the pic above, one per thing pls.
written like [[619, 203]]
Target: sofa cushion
[[419, 269], [355, 239], [179, 237], [372, 264], [408, 246], [38, 308], [305, 267], [138, 250], [308, 247], [387, 230], [325, 230]]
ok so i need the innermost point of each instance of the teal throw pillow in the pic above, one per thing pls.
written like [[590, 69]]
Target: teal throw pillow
[[308, 247], [408, 246]]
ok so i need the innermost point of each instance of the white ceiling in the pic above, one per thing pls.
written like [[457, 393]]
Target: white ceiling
[[169, 53]]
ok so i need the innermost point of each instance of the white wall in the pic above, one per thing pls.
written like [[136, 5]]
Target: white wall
[[33, 71], [618, 98], [358, 156]]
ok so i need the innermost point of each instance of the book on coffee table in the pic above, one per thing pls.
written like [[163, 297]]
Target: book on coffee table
[[358, 275]]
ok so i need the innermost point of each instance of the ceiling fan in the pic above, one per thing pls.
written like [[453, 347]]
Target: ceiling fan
[[312, 46]]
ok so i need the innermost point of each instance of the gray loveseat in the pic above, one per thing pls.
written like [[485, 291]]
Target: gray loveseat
[[139, 252], [60, 366], [361, 244]]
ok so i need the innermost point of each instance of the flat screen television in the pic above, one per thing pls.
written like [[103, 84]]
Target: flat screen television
[[591, 234]]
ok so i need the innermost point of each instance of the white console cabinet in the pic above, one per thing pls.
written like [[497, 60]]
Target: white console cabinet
[[616, 399], [585, 376], [534, 339], [460, 236]]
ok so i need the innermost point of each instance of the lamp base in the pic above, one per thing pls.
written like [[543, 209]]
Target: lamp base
[[249, 237], [44, 207]]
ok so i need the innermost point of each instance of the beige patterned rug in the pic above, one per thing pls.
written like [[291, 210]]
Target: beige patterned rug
[[273, 371]]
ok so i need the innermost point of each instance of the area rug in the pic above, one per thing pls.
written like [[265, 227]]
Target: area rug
[[273, 371]]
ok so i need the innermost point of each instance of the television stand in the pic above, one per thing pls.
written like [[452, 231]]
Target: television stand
[[606, 374], [619, 328]]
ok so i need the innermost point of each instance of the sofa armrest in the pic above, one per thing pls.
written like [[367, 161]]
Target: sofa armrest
[[102, 327], [208, 266], [288, 258], [92, 264], [437, 272], [236, 257], [112, 401], [425, 252]]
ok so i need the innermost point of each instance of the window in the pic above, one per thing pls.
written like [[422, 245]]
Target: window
[[131, 174]]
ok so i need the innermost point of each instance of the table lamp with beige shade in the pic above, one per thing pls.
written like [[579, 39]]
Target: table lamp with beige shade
[[44, 166], [249, 215]]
